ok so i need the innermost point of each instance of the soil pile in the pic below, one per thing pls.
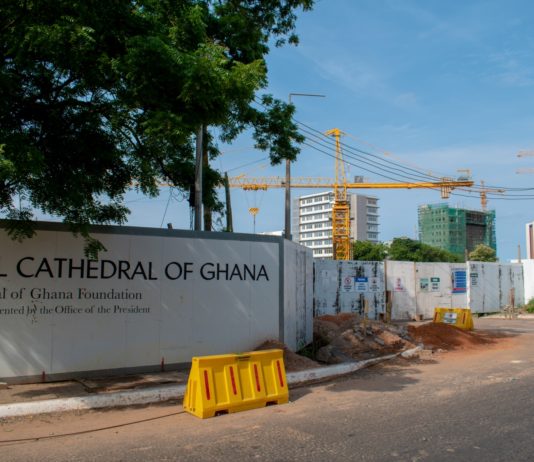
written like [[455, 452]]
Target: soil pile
[[344, 338], [443, 336], [292, 361]]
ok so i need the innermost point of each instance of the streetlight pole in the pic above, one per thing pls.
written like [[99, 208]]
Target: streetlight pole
[[287, 221], [198, 181]]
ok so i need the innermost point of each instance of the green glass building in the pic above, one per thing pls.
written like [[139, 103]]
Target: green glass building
[[455, 229]]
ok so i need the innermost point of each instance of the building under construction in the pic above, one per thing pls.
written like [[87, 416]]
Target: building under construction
[[456, 230]]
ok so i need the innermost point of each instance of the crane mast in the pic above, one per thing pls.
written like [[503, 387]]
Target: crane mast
[[341, 207]]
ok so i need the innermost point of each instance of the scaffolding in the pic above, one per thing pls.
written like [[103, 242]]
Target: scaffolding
[[454, 229]]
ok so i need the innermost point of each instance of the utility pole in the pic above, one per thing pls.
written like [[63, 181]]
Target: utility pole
[[205, 166], [198, 181], [287, 217], [229, 223]]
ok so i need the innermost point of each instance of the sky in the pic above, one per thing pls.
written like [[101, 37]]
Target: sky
[[437, 86]]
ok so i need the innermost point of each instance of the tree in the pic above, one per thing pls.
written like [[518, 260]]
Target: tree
[[96, 96], [483, 253], [369, 251], [405, 249]]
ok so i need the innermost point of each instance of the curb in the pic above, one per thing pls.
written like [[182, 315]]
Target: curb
[[170, 392], [116, 399]]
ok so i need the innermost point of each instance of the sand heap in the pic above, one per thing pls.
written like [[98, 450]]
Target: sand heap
[[446, 337], [344, 337]]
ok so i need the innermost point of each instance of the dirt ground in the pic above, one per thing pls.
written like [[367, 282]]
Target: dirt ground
[[380, 390], [340, 338], [292, 361]]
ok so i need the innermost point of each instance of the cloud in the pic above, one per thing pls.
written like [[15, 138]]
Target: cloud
[[406, 130], [406, 100], [359, 76], [461, 27], [512, 68]]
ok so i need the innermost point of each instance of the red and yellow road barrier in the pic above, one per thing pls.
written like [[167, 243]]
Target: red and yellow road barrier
[[235, 382]]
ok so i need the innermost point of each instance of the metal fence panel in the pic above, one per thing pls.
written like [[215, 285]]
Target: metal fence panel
[[342, 287]]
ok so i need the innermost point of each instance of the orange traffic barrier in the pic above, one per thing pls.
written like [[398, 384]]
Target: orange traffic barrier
[[235, 382]]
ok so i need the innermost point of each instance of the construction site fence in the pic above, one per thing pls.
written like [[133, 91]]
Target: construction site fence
[[400, 290], [528, 273], [155, 299]]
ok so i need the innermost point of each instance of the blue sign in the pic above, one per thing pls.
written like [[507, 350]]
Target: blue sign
[[459, 281], [361, 284]]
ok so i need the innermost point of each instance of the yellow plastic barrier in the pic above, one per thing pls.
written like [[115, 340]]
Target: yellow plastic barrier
[[235, 382], [459, 317]]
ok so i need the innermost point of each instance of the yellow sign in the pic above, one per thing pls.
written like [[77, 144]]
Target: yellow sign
[[459, 317], [236, 382]]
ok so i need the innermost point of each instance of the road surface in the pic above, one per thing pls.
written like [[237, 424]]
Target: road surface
[[458, 406]]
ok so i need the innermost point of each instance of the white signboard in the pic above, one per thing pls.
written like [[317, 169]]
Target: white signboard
[[435, 284], [375, 284], [450, 318], [399, 285], [348, 284], [147, 299], [361, 284]]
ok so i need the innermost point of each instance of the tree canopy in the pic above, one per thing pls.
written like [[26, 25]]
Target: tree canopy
[[401, 249], [405, 249], [369, 251], [97, 95], [483, 252]]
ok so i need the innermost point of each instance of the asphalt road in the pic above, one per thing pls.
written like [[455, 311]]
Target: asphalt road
[[459, 406]]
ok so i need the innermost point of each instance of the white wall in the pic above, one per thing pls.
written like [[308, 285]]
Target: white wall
[[340, 285], [528, 272], [150, 313], [418, 288], [298, 295], [490, 285], [400, 281]]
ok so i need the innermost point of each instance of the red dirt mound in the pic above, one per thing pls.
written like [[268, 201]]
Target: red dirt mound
[[292, 361], [345, 320], [446, 337]]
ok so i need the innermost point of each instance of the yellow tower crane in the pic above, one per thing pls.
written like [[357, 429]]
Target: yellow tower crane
[[341, 207], [484, 195]]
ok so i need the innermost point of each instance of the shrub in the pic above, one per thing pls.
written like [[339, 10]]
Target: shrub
[[529, 307]]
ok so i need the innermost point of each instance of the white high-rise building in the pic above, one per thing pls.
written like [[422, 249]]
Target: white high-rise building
[[312, 221]]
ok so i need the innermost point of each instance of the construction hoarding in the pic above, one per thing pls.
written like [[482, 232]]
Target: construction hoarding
[[154, 297], [493, 286], [298, 295], [528, 271], [418, 288], [345, 286]]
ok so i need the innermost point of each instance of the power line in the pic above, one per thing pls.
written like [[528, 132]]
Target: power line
[[248, 164], [392, 170], [419, 173], [391, 166], [313, 145]]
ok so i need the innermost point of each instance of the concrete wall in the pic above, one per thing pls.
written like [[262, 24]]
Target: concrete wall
[[418, 288], [341, 287], [490, 286], [528, 272], [154, 295], [298, 295]]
